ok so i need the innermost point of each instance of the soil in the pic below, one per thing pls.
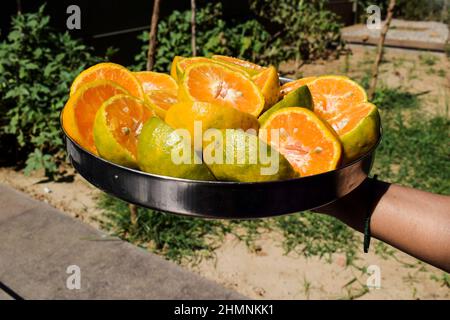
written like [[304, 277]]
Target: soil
[[268, 273]]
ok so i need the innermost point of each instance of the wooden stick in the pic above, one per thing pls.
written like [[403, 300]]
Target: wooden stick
[[133, 214], [152, 35], [193, 37], [379, 57]]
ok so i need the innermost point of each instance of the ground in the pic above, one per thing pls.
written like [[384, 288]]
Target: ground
[[264, 270]]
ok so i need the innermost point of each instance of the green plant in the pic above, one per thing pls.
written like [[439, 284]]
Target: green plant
[[37, 66], [309, 35], [306, 29], [428, 59]]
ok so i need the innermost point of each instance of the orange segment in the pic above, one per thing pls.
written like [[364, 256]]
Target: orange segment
[[117, 126], [79, 112], [248, 66], [163, 99], [307, 142], [125, 117], [217, 84], [152, 81], [333, 94], [112, 72], [269, 84], [161, 90], [291, 86], [350, 117]]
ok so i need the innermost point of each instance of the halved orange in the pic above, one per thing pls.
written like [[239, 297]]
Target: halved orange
[[117, 126], [250, 67], [291, 86], [269, 84], [152, 81], [79, 112], [333, 94], [161, 90], [307, 142], [217, 84], [113, 72], [358, 128]]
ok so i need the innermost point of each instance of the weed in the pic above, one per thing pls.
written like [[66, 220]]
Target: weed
[[428, 59]]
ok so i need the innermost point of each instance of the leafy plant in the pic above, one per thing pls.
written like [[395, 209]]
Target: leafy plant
[[304, 31], [37, 65]]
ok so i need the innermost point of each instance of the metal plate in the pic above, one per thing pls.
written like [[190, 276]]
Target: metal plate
[[218, 199]]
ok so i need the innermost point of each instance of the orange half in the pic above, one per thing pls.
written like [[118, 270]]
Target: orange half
[[217, 84], [152, 81], [308, 143], [334, 94], [79, 112], [117, 127], [113, 72], [160, 88]]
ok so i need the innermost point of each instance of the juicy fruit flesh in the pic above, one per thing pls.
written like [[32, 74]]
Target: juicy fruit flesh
[[332, 95], [152, 81], [349, 118], [216, 84], [87, 102], [125, 118], [303, 142], [112, 72], [163, 98]]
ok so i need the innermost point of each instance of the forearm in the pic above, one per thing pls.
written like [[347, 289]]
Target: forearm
[[411, 220]]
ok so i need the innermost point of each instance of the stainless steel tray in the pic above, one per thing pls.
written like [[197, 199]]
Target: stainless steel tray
[[218, 199]]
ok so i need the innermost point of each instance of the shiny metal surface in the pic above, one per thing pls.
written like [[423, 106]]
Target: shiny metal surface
[[217, 199]]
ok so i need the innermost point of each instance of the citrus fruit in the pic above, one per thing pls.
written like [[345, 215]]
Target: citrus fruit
[[79, 112], [300, 97], [161, 101], [247, 66], [307, 142], [184, 115], [358, 128], [160, 151], [117, 126], [182, 64], [292, 85], [214, 83], [112, 72], [161, 90], [173, 67], [269, 84], [235, 155], [185, 63], [333, 94], [152, 81]]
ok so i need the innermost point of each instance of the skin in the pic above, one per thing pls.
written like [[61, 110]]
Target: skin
[[415, 222]]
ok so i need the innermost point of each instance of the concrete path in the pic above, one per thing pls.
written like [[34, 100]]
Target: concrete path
[[38, 243]]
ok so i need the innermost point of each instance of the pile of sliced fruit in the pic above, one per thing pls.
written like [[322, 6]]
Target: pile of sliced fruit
[[133, 119]]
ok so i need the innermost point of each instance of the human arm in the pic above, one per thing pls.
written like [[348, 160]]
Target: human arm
[[414, 221]]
